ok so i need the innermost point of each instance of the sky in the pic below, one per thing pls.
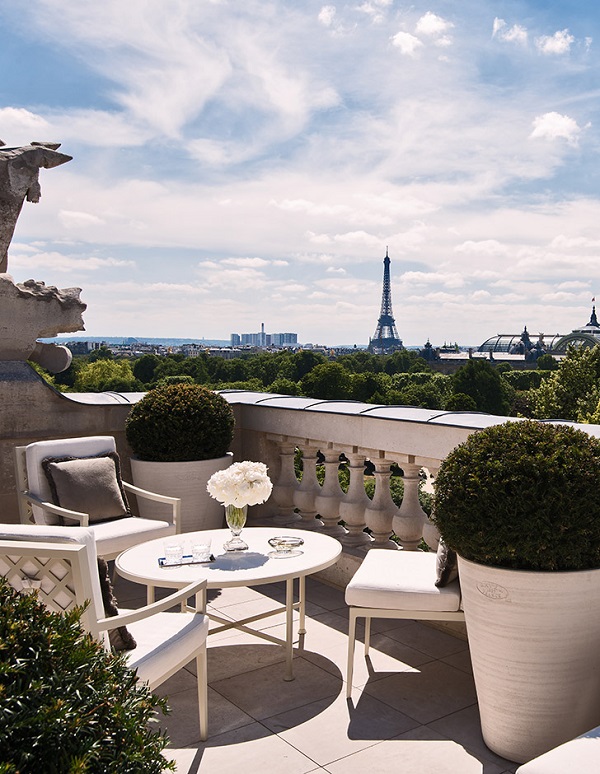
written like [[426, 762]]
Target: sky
[[238, 163]]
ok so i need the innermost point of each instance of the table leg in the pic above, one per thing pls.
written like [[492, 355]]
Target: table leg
[[150, 594], [301, 608], [289, 630]]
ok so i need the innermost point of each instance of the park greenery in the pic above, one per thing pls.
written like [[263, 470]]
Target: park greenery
[[549, 389]]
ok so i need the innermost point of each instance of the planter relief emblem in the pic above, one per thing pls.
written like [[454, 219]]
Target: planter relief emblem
[[492, 590]]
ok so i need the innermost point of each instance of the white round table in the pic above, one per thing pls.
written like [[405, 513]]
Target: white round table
[[253, 567]]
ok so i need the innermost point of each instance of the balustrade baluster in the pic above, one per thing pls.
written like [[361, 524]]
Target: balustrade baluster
[[431, 534], [353, 505], [409, 520], [285, 487], [381, 509], [327, 501], [304, 496]]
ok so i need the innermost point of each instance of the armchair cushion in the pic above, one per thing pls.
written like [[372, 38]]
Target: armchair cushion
[[88, 484], [120, 638], [446, 565]]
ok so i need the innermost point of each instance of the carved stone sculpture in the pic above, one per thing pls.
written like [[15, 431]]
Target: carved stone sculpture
[[19, 179], [30, 310]]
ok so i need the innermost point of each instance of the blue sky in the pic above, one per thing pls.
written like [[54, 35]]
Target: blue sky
[[238, 163]]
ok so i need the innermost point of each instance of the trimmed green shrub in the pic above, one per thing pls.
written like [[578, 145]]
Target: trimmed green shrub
[[179, 423], [523, 495], [67, 706]]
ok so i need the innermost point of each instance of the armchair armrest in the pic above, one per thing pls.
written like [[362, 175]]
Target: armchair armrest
[[174, 502], [82, 518], [196, 588]]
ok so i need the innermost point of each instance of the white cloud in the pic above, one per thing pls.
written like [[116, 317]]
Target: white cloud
[[64, 263], [431, 24], [254, 263], [559, 43], [407, 43], [553, 126], [485, 246], [71, 219], [448, 280], [327, 15], [18, 123], [514, 34]]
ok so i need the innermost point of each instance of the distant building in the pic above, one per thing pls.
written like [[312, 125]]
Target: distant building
[[263, 339], [522, 344]]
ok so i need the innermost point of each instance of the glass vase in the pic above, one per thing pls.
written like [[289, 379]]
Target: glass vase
[[235, 518]]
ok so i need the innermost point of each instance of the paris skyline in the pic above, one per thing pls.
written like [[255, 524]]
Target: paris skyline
[[233, 165]]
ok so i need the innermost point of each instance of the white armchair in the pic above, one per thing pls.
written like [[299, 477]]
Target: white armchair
[[112, 536], [60, 564]]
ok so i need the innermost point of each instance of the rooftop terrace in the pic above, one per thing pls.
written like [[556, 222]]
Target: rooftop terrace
[[413, 706]]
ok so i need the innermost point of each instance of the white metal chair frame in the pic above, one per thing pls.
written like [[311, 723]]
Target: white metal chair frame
[[65, 574], [369, 613]]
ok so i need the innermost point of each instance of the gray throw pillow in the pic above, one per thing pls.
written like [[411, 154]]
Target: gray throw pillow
[[446, 565], [120, 638], [88, 484]]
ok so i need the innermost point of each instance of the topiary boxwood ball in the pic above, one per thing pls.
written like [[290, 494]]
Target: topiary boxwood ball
[[523, 495], [180, 423]]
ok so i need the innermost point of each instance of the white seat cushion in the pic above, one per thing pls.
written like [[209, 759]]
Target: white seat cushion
[[401, 580], [165, 643], [580, 755], [115, 536]]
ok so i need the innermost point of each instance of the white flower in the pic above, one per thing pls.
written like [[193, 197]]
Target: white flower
[[243, 483]]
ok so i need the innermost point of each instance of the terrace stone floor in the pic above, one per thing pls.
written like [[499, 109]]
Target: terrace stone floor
[[413, 707]]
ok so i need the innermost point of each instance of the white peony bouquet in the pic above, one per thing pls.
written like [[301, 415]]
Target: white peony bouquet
[[243, 483]]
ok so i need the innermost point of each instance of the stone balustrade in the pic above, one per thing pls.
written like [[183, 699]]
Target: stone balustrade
[[274, 429]]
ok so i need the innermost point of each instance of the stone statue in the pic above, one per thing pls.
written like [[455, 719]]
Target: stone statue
[[31, 309], [19, 179]]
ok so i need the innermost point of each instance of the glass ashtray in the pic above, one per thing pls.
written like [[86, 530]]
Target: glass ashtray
[[285, 546]]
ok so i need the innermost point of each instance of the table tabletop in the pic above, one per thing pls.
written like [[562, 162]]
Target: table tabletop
[[241, 568]]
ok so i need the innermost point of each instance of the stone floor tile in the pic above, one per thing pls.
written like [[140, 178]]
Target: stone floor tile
[[419, 751], [263, 693], [385, 657], [240, 654], [433, 642], [248, 748], [326, 731], [464, 727], [461, 660], [427, 693], [183, 723]]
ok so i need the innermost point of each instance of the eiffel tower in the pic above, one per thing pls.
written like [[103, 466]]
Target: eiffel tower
[[385, 339]]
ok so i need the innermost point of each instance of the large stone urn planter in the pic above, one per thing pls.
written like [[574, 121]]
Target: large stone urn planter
[[186, 480], [535, 648]]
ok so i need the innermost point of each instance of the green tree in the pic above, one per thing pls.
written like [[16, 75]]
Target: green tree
[[104, 375], [479, 379], [328, 381], [458, 401], [102, 353], [284, 386], [303, 363], [573, 390], [145, 367], [547, 362]]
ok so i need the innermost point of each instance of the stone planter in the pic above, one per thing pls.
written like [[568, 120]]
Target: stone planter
[[535, 647], [186, 480]]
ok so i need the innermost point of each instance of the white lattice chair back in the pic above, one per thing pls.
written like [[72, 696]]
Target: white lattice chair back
[[58, 563], [35, 453]]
